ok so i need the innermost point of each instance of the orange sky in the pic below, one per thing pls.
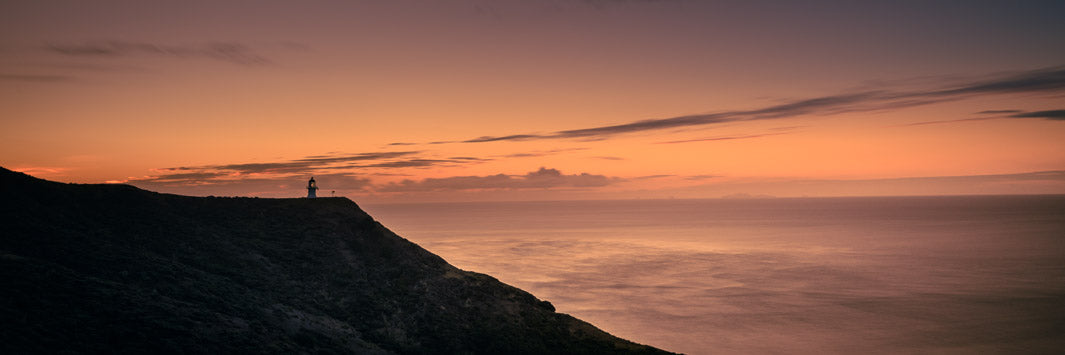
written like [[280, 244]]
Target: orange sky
[[513, 100]]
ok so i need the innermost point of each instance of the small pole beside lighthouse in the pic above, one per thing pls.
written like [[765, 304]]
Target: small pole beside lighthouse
[[312, 188]]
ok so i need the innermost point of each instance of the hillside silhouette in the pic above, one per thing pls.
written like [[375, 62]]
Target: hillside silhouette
[[112, 268]]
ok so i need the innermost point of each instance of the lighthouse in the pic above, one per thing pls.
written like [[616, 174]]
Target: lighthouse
[[312, 188]]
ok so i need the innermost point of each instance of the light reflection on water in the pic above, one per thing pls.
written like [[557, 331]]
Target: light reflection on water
[[883, 275]]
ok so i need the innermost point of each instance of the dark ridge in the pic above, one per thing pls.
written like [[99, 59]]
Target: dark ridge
[[116, 269]]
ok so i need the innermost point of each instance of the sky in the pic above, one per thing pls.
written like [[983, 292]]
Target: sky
[[467, 100]]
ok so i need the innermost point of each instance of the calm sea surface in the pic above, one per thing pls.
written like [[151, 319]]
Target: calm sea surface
[[831, 275]]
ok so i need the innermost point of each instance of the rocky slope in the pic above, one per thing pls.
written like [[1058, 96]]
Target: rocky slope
[[112, 268]]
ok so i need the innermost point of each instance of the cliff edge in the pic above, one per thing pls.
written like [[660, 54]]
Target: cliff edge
[[112, 268]]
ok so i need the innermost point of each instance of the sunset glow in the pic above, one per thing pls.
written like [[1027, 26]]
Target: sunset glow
[[528, 100], [532, 176]]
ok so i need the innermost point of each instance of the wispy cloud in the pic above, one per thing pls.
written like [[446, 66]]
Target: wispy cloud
[[1050, 181], [1050, 79], [1039, 182], [324, 159], [997, 112], [222, 183], [308, 164], [1054, 115], [340, 166], [1049, 175], [541, 179], [39, 170], [182, 178], [1035, 81], [36, 78], [701, 177], [925, 123], [422, 163], [541, 153], [76, 66], [231, 52], [723, 138], [347, 166], [513, 137], [648, 177]]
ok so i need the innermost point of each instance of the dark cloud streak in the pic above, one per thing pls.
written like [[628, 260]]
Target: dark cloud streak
[[1054, 115], [515, 137], [181, 177], [36, 78], [1043, 80], [925, 123], [308, 164], [354, 157], [726, 138], [997, 112], [541, 153], [648, 177], [317, 165], [230, 52], [411, 163], [1052, 79]]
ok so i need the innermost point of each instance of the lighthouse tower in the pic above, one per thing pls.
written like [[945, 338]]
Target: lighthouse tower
[[312, 188]]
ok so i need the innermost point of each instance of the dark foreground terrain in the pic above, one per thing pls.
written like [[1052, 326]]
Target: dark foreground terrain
[[112, 268]]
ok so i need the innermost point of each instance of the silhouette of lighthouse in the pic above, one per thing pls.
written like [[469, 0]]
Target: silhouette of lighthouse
[[312, 188]]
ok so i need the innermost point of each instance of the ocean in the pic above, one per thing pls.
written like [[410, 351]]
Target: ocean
[[958, 274]]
